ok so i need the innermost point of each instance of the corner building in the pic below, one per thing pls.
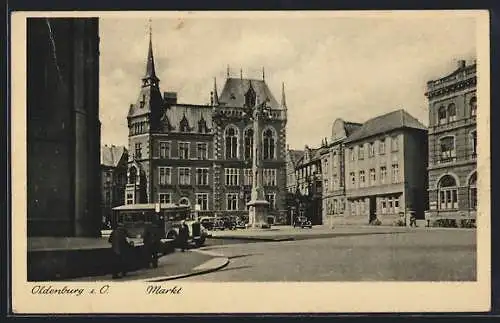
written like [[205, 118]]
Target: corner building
[[202, 154], [453, 144], [385, 169]]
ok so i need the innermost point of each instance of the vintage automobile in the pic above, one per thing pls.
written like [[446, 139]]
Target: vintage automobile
[[208, 222], [302, 222]]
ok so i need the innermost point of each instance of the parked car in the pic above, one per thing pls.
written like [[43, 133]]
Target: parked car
[[229, 223], [302, 222], [208, 222]]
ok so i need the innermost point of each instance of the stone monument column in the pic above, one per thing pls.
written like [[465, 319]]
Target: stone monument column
[[258, 206]]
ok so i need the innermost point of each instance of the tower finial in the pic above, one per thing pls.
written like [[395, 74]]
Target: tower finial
[[241, 73], [150, 28], [263, 74], [215, 96], [283, 98], [227, 71], [150, 63]]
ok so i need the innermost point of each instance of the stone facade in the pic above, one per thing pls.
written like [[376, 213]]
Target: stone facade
[[63, 128], [453, 144], [201, 154]]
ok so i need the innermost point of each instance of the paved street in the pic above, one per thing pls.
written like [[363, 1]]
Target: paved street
[[412, 255]]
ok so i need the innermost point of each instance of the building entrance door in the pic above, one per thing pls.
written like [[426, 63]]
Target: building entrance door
[[373, 208]]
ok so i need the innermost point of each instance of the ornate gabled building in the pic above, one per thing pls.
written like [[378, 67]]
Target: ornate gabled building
[[114, 161], [453, 145], [309, 177], [202, 154], [333, 166]]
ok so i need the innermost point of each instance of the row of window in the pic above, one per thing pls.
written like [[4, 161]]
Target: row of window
[[202, 200], [370, 149], [231, 143], [449, 114], [448, 193], [372, 179], [232, 176], [388, 205], [165, 150], [184, 176]]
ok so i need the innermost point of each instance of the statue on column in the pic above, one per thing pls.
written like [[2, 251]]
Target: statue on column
[[258, 206]]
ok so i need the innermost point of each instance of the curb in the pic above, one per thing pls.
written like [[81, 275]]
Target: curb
[[263, 239], [223, 262]]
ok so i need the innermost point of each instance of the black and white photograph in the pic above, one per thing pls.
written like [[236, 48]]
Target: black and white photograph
[[336, 161]]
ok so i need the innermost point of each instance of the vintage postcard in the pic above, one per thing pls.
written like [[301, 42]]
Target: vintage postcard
[[250, 162]]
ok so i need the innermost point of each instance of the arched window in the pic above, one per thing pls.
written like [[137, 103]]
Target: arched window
[[447, 149], [132, 178], [269, 144], [473, 106], [447, 192], [184, 201], [202, 126], [248, 143], [442, 115], [452, 113], [473, 192], [231, 141]]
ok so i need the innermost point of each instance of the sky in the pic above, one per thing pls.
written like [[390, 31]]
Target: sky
[[333, 66]]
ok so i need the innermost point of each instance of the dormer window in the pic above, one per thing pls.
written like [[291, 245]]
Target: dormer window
[[184, 124], [250, 97], [202, 126]]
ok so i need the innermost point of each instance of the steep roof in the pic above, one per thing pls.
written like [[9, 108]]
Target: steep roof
[[385, 123], [295, 155], [234, 90], [351, 127], [111, 155], [190, 113]]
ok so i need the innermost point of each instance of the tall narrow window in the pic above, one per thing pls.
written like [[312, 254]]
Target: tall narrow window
[[231, 141], [202, 150], [381, 147], [361, 152], [361, 178], [232, 201], [395, 173], [447, 147], [202, 176], [132, 178], [165, 174], [452, 112], [248, 144], [442, 115], [473, 192], [371, 150], [447, 192], [372, 176], [184, 150], [184, 176], [473, 144], [271, 198], [138, 150], [383, 174], [473, 106], [269, 144], [202, 201], [164, 149]]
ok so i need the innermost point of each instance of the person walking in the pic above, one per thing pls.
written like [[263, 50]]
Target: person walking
[[151, 240], [413, 220], [119, 248], [184, 236]]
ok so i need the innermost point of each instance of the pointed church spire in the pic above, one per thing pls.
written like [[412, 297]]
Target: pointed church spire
[[215, 97], [283, 98], [150, 64], [263, 74], [227, 74]]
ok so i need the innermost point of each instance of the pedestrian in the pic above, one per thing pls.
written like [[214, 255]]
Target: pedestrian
[[184, 236], [119, 248], [151, 239], [413, 220]]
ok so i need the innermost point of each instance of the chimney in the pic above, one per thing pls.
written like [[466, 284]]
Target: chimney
[[170, 98], [461, 63]]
